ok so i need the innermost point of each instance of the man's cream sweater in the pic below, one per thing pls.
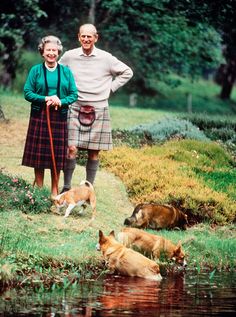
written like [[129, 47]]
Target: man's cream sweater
[[96, 75]]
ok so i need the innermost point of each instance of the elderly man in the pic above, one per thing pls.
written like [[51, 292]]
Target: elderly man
[[97, 73]]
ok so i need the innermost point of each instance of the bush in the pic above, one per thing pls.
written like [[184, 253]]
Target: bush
[[206, 122], [17, 193], [169, 128], [157, 132], [125, 137], [197, 154], [217, 128], [167, 174]]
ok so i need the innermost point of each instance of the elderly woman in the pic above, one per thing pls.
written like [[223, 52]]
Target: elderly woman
[[48, 85]]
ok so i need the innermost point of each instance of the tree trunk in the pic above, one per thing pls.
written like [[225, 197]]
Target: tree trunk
[[226, 90], [228, 79], [92, 10]]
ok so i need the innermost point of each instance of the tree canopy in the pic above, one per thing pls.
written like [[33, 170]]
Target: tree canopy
[[155, 37], [17, 20]]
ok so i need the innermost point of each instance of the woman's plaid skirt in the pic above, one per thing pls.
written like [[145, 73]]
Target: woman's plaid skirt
[[37, 152], [95, 137]]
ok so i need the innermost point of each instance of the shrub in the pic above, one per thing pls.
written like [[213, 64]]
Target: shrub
[[132, 139], [158, 132], [166, 174], [206, 122], [169, 128], [222, 129], [17, 193], [204, 155], [202, 128]]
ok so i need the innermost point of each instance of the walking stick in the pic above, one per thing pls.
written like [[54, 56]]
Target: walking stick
[[51, 145]]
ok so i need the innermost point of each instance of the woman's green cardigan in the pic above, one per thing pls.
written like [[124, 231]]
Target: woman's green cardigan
[[35, 89]]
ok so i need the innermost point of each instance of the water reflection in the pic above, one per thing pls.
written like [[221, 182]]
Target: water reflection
[[176, 295], [130, 295]]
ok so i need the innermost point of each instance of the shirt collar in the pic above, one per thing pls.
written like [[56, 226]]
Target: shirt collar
[[94, 52]]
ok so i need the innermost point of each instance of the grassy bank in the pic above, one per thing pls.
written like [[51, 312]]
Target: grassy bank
[[39, 248], [43, 250]]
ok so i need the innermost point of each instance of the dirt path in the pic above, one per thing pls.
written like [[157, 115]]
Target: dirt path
[[11, 148]]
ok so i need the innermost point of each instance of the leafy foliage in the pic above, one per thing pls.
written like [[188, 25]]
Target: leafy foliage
[[25, 62], [17, 193], [169, 128], [206, 122], [153, 37], [155, 41], [217, 128], [167, 174], [157, 132], [18, 19]]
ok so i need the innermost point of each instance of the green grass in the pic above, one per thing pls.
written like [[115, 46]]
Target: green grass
[[208, 247], [205, 97], [42, 237], [221, 181], [15, 106], [204, 94], [125, 118]]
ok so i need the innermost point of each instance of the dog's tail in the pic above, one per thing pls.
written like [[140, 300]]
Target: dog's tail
[[87, 183]]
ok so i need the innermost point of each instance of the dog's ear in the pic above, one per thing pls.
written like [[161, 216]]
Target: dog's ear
[[178, 248], [102, 238], [112, 233]]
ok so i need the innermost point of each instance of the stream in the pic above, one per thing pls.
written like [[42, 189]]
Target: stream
[[180, 294]]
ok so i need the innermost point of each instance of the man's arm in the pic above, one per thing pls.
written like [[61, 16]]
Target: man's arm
[[121, 72]]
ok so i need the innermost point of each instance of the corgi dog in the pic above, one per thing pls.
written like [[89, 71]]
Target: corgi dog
[[126, 261], [152, 244], [77, 196], [157, 216]]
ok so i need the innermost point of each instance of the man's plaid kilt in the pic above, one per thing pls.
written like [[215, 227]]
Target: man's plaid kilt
[[37, 152], [95, 137]]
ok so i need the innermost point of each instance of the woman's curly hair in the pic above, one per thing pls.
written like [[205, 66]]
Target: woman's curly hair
[[50, 39]]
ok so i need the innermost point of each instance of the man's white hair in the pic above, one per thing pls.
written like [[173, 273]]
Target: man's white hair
[[88, 28]]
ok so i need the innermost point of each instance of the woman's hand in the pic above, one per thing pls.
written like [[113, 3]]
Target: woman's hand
[[53, 101]]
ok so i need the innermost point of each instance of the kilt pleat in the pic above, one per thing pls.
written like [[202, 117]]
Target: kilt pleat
[[95, 137], [37, 151]]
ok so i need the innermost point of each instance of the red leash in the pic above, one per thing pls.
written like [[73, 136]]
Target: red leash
[[51, 145]]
